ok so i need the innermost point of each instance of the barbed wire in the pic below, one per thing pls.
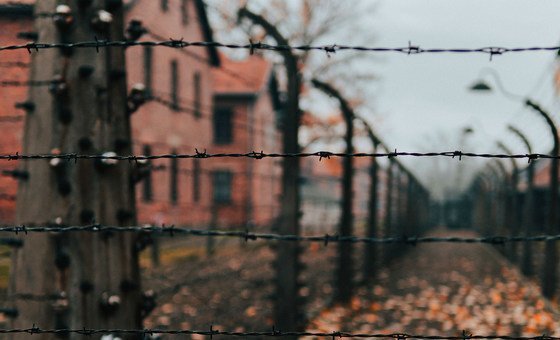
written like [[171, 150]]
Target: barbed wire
[[7, 197], [253, 236], [34, 297], [14, 64], [272, 333], [252, 46], [25, 83], [12, 119], [261, 155], [225, 70]]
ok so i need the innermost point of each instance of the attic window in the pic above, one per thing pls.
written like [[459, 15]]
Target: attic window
[[185, 11], [174, 85], [222, 180], [197, 95]]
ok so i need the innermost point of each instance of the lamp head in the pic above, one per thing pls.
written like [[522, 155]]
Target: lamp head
[[468, 130], [480, 86]]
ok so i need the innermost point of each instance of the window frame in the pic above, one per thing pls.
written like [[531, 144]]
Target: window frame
[[222, 192], [197, 95], [175, 82]]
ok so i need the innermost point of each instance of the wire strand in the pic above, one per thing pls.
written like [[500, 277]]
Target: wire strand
[[252, 46], [261, 155], [246, 235]]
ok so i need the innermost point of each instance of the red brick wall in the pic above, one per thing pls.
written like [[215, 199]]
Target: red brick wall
[[256, 181], [168, 131], [10, 138], [165, 130]]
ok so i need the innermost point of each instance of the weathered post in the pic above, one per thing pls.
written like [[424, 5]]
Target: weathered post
[[95, 276], [370, 254], [388, 223], [528, 207], [344, 278], [514, 205], [287, 314]]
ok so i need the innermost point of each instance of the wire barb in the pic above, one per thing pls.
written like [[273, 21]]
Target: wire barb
[[252, 46]]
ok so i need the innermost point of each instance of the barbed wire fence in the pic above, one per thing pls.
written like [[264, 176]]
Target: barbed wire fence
[[75, 158]]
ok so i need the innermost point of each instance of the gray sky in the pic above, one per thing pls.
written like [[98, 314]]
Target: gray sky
[[421, 96], [422, 102]]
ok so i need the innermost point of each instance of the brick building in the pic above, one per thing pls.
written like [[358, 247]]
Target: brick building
[[182, 118], [14, 18], [247, 105]]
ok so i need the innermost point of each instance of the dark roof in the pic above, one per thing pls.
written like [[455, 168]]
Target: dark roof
[[241, 77], [206, 29]]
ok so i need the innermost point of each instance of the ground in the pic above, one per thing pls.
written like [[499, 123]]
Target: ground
[[431, 289]]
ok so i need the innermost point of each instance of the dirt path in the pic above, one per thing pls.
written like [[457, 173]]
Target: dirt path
[[445, 289]]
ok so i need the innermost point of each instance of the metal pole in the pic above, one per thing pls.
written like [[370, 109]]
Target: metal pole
[[344, 277], [550, 270], [528, 211], [514, 205], [287, 306]]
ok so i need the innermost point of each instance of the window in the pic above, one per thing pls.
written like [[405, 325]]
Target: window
[[175, 85], [147, 183], [196, 180], [222, 186], [164, 4], [197, 95], [174, 179], [185, 11], [148, 62], [223, 131]]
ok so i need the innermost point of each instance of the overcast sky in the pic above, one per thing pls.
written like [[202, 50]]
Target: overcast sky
[[421, 96], [422, 102]]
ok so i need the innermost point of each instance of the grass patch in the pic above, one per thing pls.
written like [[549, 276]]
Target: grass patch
[[172, 255], [4, 273]]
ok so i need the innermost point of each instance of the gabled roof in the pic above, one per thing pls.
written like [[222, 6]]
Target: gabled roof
[[205, 26], [245, 77]]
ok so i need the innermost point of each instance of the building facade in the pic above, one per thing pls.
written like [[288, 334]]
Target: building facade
[[15, 18], [196, 103]]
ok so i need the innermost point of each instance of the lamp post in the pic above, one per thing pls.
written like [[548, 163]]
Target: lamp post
[[549, 277], [528, 213], [466, 131]]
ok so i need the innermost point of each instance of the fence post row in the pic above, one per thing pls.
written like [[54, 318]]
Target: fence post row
[[287, 307], [344, 276], [528, 214], [82, 111]]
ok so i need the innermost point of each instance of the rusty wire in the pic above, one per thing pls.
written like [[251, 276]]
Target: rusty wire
[[260, 155]]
